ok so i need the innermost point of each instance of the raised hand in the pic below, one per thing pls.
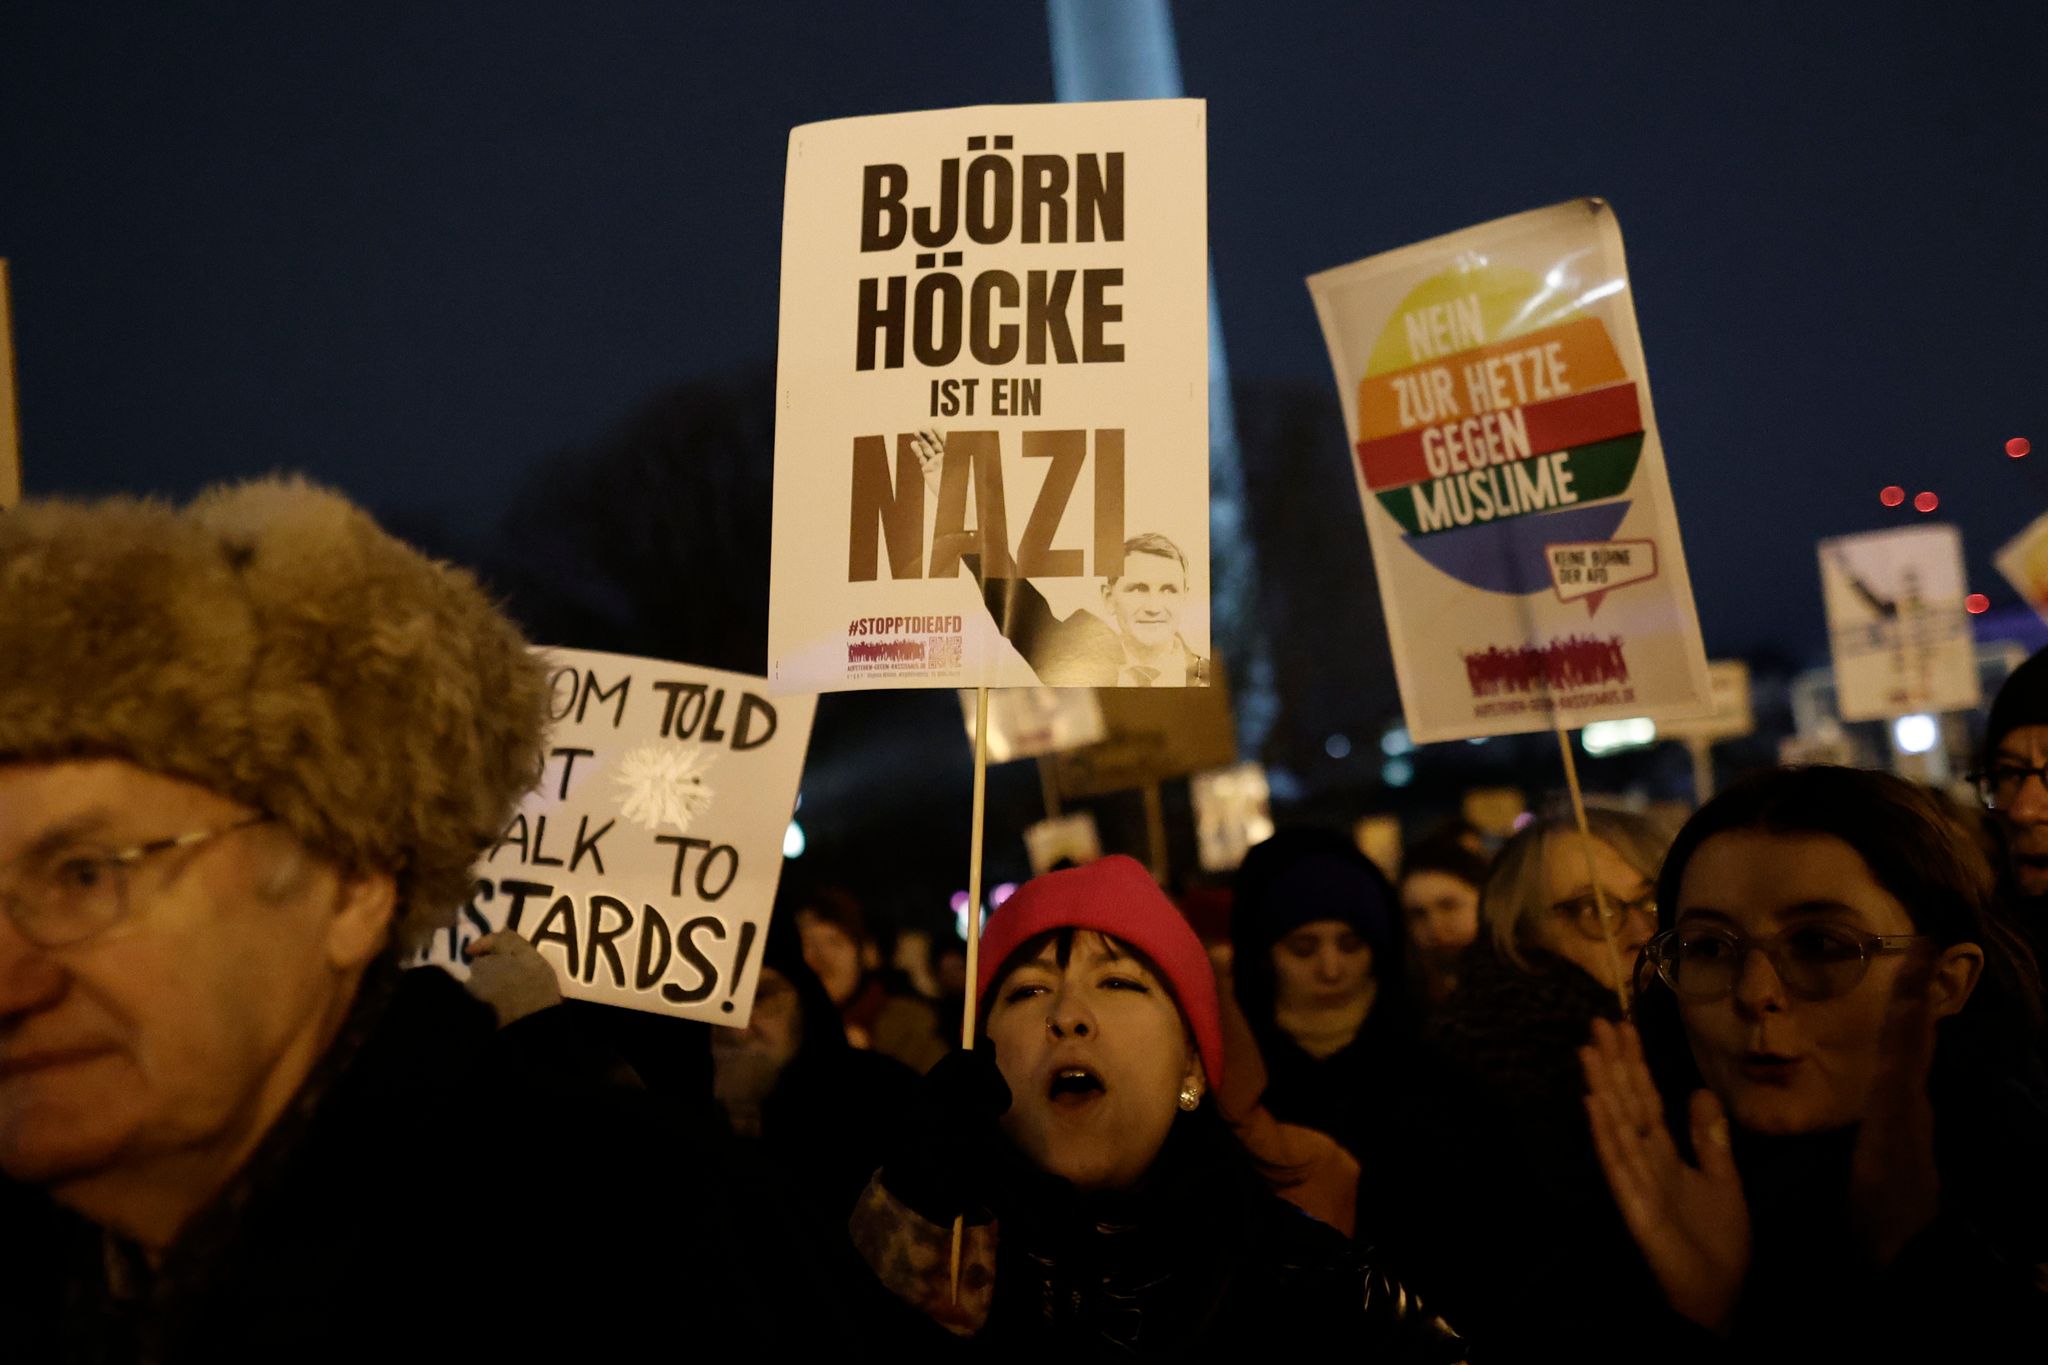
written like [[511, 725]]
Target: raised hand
[[1692, 1223], [931, 453], [1894, 1190], [508, 973]]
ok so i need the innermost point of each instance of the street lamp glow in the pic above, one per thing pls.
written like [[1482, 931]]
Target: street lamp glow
[[1613, 736], [1915, 734]]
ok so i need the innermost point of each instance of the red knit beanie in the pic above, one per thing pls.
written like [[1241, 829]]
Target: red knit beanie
[[1114, 896]]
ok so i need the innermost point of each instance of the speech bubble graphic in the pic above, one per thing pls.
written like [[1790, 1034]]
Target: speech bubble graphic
[[1587, 570]]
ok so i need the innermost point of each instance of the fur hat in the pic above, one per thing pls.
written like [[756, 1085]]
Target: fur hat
[[270, 643], [1114, 896]]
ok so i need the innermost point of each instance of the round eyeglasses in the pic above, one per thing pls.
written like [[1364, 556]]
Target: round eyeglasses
[[64, 896], [1585, 913], [1814, 961]]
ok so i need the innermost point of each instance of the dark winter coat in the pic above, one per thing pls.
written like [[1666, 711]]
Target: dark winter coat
[[1199, 1262], [438, 1191], [1491, 1201]]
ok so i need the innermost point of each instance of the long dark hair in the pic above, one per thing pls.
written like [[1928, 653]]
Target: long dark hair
[[1918, 853]]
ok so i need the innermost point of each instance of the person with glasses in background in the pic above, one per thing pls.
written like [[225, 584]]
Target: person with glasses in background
[[249, 751], [1828, 1136], [2012, 781], [1505, 1216]]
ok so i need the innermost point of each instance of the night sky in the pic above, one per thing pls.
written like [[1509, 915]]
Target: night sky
[[413, 249]]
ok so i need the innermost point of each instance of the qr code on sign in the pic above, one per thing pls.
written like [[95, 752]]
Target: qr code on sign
[[942, 652]]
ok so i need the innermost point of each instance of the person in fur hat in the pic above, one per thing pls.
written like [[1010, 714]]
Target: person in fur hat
[[249, 749]]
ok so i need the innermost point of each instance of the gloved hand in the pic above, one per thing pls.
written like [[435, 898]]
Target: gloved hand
[[943, 1160], [508, 973]]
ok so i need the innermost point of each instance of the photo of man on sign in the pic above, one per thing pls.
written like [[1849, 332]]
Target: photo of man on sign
[[1135, 642]]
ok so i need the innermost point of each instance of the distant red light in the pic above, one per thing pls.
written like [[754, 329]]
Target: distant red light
[[1925, 502], [1976, 604], [2018, 447], [1891, 495]]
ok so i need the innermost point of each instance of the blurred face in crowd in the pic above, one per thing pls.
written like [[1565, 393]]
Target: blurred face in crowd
[[1146, 599], [1324, 965], [773, 1030], [747, 1062], [1568, 923], [140, 1063], [1442, 912], [1096, 1055], [832, 953], [2022, 804], [1781, 1063]]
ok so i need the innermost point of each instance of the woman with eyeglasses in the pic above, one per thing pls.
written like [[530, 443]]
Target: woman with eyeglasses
[[1498, 1207], [1828, 1138]]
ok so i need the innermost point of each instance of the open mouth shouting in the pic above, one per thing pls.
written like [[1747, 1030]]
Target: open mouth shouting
[[1074, 1087]]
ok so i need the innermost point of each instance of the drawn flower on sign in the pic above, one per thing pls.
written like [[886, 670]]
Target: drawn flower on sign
[[664, 784]]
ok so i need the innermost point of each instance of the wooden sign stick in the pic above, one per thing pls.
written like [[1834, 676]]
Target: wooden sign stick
[[10, 422], [973, 922], [1571, 781]]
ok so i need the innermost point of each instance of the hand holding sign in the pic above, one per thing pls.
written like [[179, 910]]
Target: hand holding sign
[[509, 974]]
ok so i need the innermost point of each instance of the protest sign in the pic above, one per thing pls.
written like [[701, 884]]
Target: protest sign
[[1025, 722], [992, 438], [1896, 625], [1153, 734], [1731, 718], [1063, 838], [1232, 813], [1513, 481], [2024, 562], [644, 865], [10, 421]]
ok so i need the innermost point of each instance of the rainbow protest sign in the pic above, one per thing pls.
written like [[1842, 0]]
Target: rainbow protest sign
[[1514, 488]]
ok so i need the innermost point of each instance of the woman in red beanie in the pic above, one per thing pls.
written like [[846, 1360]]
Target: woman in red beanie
[[1107, 1205]]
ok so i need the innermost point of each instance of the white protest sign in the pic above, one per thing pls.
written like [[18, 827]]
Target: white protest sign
[[1513, 479], [1062, 839], [2023, 561], [994, 369], [644, 865], [1731, 717], [1024, 722], [1896, 625], [1232, 813]]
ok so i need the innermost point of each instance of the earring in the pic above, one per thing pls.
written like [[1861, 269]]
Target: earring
[[1190, 1096]]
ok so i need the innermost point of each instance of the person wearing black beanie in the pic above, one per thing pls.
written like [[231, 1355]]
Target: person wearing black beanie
[[1317, 967], [2012, 780]]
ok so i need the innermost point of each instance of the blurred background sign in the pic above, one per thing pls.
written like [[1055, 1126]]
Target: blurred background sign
[[1152, 734], [1025, 722], [1232, 813]]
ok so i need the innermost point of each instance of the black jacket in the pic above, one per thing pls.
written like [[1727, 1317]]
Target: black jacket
[[441, 1191], [1200, 1261]]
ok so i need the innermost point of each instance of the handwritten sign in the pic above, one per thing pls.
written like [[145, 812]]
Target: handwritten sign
[[1513, 479], [644, 865], [992, 439]]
